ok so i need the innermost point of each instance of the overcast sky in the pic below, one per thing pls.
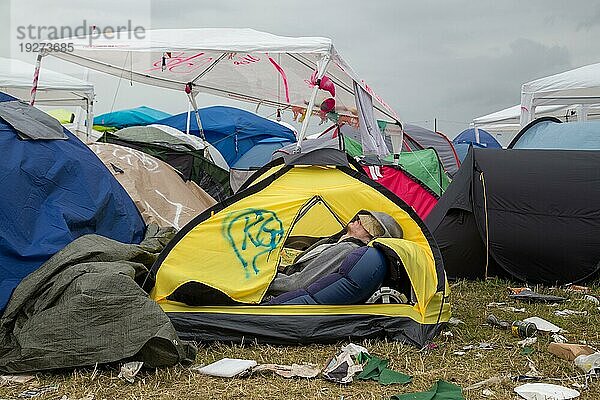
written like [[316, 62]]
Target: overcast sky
[[450, 60]]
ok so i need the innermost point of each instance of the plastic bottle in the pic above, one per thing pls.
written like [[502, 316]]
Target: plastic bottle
[[495, 321], [589, 363], [523, 329], [518, 328]]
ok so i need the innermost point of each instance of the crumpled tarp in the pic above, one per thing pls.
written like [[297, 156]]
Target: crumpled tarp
[[84, 307], [376, 369], [440, 390]]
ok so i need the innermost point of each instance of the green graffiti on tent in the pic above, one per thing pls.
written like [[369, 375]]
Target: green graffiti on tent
[[252, 233]]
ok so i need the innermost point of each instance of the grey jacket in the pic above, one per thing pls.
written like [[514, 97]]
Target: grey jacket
[[325, 258]]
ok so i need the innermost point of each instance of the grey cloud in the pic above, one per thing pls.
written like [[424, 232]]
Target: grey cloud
[[453, 59], [591, 20]]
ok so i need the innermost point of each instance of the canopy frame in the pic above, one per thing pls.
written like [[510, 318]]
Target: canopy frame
[[224, 42]]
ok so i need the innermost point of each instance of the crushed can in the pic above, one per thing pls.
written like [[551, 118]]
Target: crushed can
[[523, 329]]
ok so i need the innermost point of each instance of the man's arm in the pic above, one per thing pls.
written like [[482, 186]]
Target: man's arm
[[325, 263]]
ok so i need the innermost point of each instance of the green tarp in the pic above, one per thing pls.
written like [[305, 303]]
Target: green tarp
[[151, 134], [423, 165], [376, 369], [352, 147], [440, 390], [83, 306]]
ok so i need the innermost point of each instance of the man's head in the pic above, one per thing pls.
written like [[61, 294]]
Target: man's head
[[358, 231], [367, 225], [364, 227]]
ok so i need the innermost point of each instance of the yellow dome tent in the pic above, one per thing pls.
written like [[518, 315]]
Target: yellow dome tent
[[213, 275]]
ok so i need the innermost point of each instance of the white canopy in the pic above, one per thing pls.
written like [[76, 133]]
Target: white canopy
[[54, 88], [242, 64], [505, 124], [577, 86]]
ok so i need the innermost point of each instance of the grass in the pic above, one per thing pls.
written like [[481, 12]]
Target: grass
[[469, 301]]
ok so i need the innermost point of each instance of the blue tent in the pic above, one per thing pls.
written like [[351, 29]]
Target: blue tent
[[231, 130], [462, 149], [131, 117], [260, 154], [550, 133], [479, 137], [53, 192]]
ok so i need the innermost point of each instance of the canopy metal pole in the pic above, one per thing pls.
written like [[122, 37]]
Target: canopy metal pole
[[192, 99], [322, 67], [90, 118], [188, 120], [36, 76]]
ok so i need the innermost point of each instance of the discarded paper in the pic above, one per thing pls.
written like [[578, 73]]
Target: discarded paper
[[226, 367], [16, 378], [488, 382], [566, 313], [527, 342], [544, 391], [35, 392], [290, 371], [129, 370], [543, 325]]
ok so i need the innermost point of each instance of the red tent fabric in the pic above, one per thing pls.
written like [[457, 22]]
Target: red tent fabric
[[409, 190]]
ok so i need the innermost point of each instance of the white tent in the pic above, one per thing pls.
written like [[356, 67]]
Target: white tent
[[241, 64], [505, 124], [53, 89], [580, 86]]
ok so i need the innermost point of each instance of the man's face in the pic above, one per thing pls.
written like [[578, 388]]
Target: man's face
[[356, 229]]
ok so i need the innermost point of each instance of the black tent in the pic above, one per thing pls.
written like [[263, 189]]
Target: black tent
[[530, 215]]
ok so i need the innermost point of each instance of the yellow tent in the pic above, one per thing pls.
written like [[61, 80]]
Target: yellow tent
[[231, 253]]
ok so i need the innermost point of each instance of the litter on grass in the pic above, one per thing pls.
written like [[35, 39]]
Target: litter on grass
[[558, 338], [36, 392], [505, 307], [440, 390], [545, 391], [226, 367], [532, 375], [590, 364], [526, 294], [543, 325], [569, 351], [566, 312], [290, 371], [341, 368], [495, 380], [16, 378], [530, 341], [129, 370], [593, 299], [455, 321], [577, 288], [376, 369]]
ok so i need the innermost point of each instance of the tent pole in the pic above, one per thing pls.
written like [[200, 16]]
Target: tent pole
[[321, 68], [487, 227], [90, 118]]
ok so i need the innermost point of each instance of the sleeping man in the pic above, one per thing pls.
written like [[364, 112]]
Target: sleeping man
[[327, 255]]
